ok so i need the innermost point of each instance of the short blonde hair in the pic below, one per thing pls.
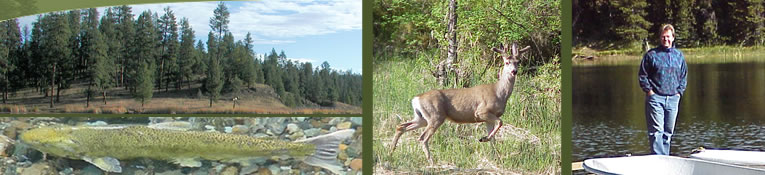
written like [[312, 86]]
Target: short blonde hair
[[666, 27]]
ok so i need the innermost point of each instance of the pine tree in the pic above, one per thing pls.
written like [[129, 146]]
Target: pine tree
[[187, 56], [219, 24], [145, 52], [169, 34], [10, 43], [125, 36], [56, 50], [214, 81], [144, 81]]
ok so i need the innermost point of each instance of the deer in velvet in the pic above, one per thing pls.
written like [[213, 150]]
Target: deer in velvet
[[484, 103]]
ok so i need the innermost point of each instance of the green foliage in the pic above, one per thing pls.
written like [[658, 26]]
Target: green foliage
[[214, 81], [187, 56], [169, 70], [150, 52], [697, 22], [144, 83]]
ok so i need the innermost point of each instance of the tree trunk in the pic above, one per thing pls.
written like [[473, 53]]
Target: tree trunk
[[52, 84], [87, 100], [211, 99], [104, 96], [446, 66], [161, 74]]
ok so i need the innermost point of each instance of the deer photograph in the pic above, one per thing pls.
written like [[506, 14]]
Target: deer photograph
[[483, 103], [492, 68]]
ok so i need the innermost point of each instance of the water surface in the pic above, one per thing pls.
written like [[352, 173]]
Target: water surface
[[723, 107]]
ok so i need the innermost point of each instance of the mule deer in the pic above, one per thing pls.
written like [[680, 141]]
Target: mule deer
[[483, 103]]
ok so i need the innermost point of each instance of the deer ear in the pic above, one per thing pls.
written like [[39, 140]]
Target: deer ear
[[497, 50]]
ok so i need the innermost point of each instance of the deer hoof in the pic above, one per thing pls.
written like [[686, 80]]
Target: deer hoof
[[484, 139]]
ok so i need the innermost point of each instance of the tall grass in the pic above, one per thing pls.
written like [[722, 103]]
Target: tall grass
[[528, 143]]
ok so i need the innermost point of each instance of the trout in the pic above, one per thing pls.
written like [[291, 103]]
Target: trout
[[104, 146]]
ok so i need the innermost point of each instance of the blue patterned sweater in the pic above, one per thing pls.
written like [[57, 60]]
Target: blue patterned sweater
[[664, 71]]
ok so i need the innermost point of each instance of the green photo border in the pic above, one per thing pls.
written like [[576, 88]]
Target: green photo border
[[566, 99]]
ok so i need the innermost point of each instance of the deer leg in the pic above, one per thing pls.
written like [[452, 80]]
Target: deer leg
[[404, 127], [492, 126], [432, 127]]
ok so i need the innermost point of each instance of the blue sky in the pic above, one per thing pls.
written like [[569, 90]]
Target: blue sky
[[307, 30]]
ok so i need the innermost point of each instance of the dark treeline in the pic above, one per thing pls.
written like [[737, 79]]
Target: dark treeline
[[154, 52], [697, 22]]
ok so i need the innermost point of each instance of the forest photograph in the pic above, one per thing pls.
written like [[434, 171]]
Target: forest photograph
[[275, 57], [466, 87]]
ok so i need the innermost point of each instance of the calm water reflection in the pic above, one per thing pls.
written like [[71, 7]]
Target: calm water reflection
[[723, 107]]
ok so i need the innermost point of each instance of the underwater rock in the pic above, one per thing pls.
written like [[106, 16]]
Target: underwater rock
[[230, 170], [274, 169], [356, 164], [336, 120], [240, 129], [344, 125], [5, 143], [40, 168], [292, 128], [264, 171], [356, 120], [312, 132], [252, 169], [277, 125], [91, 170], [316, 124], [173, 172]]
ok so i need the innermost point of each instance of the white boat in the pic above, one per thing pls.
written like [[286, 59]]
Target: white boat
[[744, 158], [660, 164]]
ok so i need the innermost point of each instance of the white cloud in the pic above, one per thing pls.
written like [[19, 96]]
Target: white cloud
[[296, 18], [303, 60]]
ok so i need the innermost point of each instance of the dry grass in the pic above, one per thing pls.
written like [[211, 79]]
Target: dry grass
[[260, 100]]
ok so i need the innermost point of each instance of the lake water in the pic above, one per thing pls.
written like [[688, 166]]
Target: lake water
[[723, 107]]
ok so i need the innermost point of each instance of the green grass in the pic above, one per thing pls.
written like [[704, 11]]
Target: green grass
[[713, 54], [528, 143]]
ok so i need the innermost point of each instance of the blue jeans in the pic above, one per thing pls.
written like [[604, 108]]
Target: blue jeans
[[660, 116]]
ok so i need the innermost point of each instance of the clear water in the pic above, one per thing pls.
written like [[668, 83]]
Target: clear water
[[723, 107]]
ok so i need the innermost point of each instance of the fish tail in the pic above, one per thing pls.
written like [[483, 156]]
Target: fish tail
[[325, 155]]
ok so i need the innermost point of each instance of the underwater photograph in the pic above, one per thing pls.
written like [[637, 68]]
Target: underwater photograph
[[180, 145]]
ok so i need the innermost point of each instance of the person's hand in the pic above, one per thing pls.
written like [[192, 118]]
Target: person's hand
[[649, 93]]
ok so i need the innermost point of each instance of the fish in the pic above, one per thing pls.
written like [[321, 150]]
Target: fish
[[104, 146]]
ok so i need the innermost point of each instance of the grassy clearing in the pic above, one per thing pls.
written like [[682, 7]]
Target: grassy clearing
[[529, 143], [260, 99]]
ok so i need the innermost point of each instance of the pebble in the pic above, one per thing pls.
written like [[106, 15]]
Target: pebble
[[240, 129], [356, 164], [5, 143], [274, 169], [336, 120], [344, 125], [264, 171], [37, 169], [230, 170], [292, 128], [91, 170], [249, 170], [316, 124], [356, 120], [312, 132]]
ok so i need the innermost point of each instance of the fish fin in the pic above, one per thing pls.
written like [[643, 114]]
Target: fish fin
[[187, 162], [176, 125], [327, 145], [108, 164]]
